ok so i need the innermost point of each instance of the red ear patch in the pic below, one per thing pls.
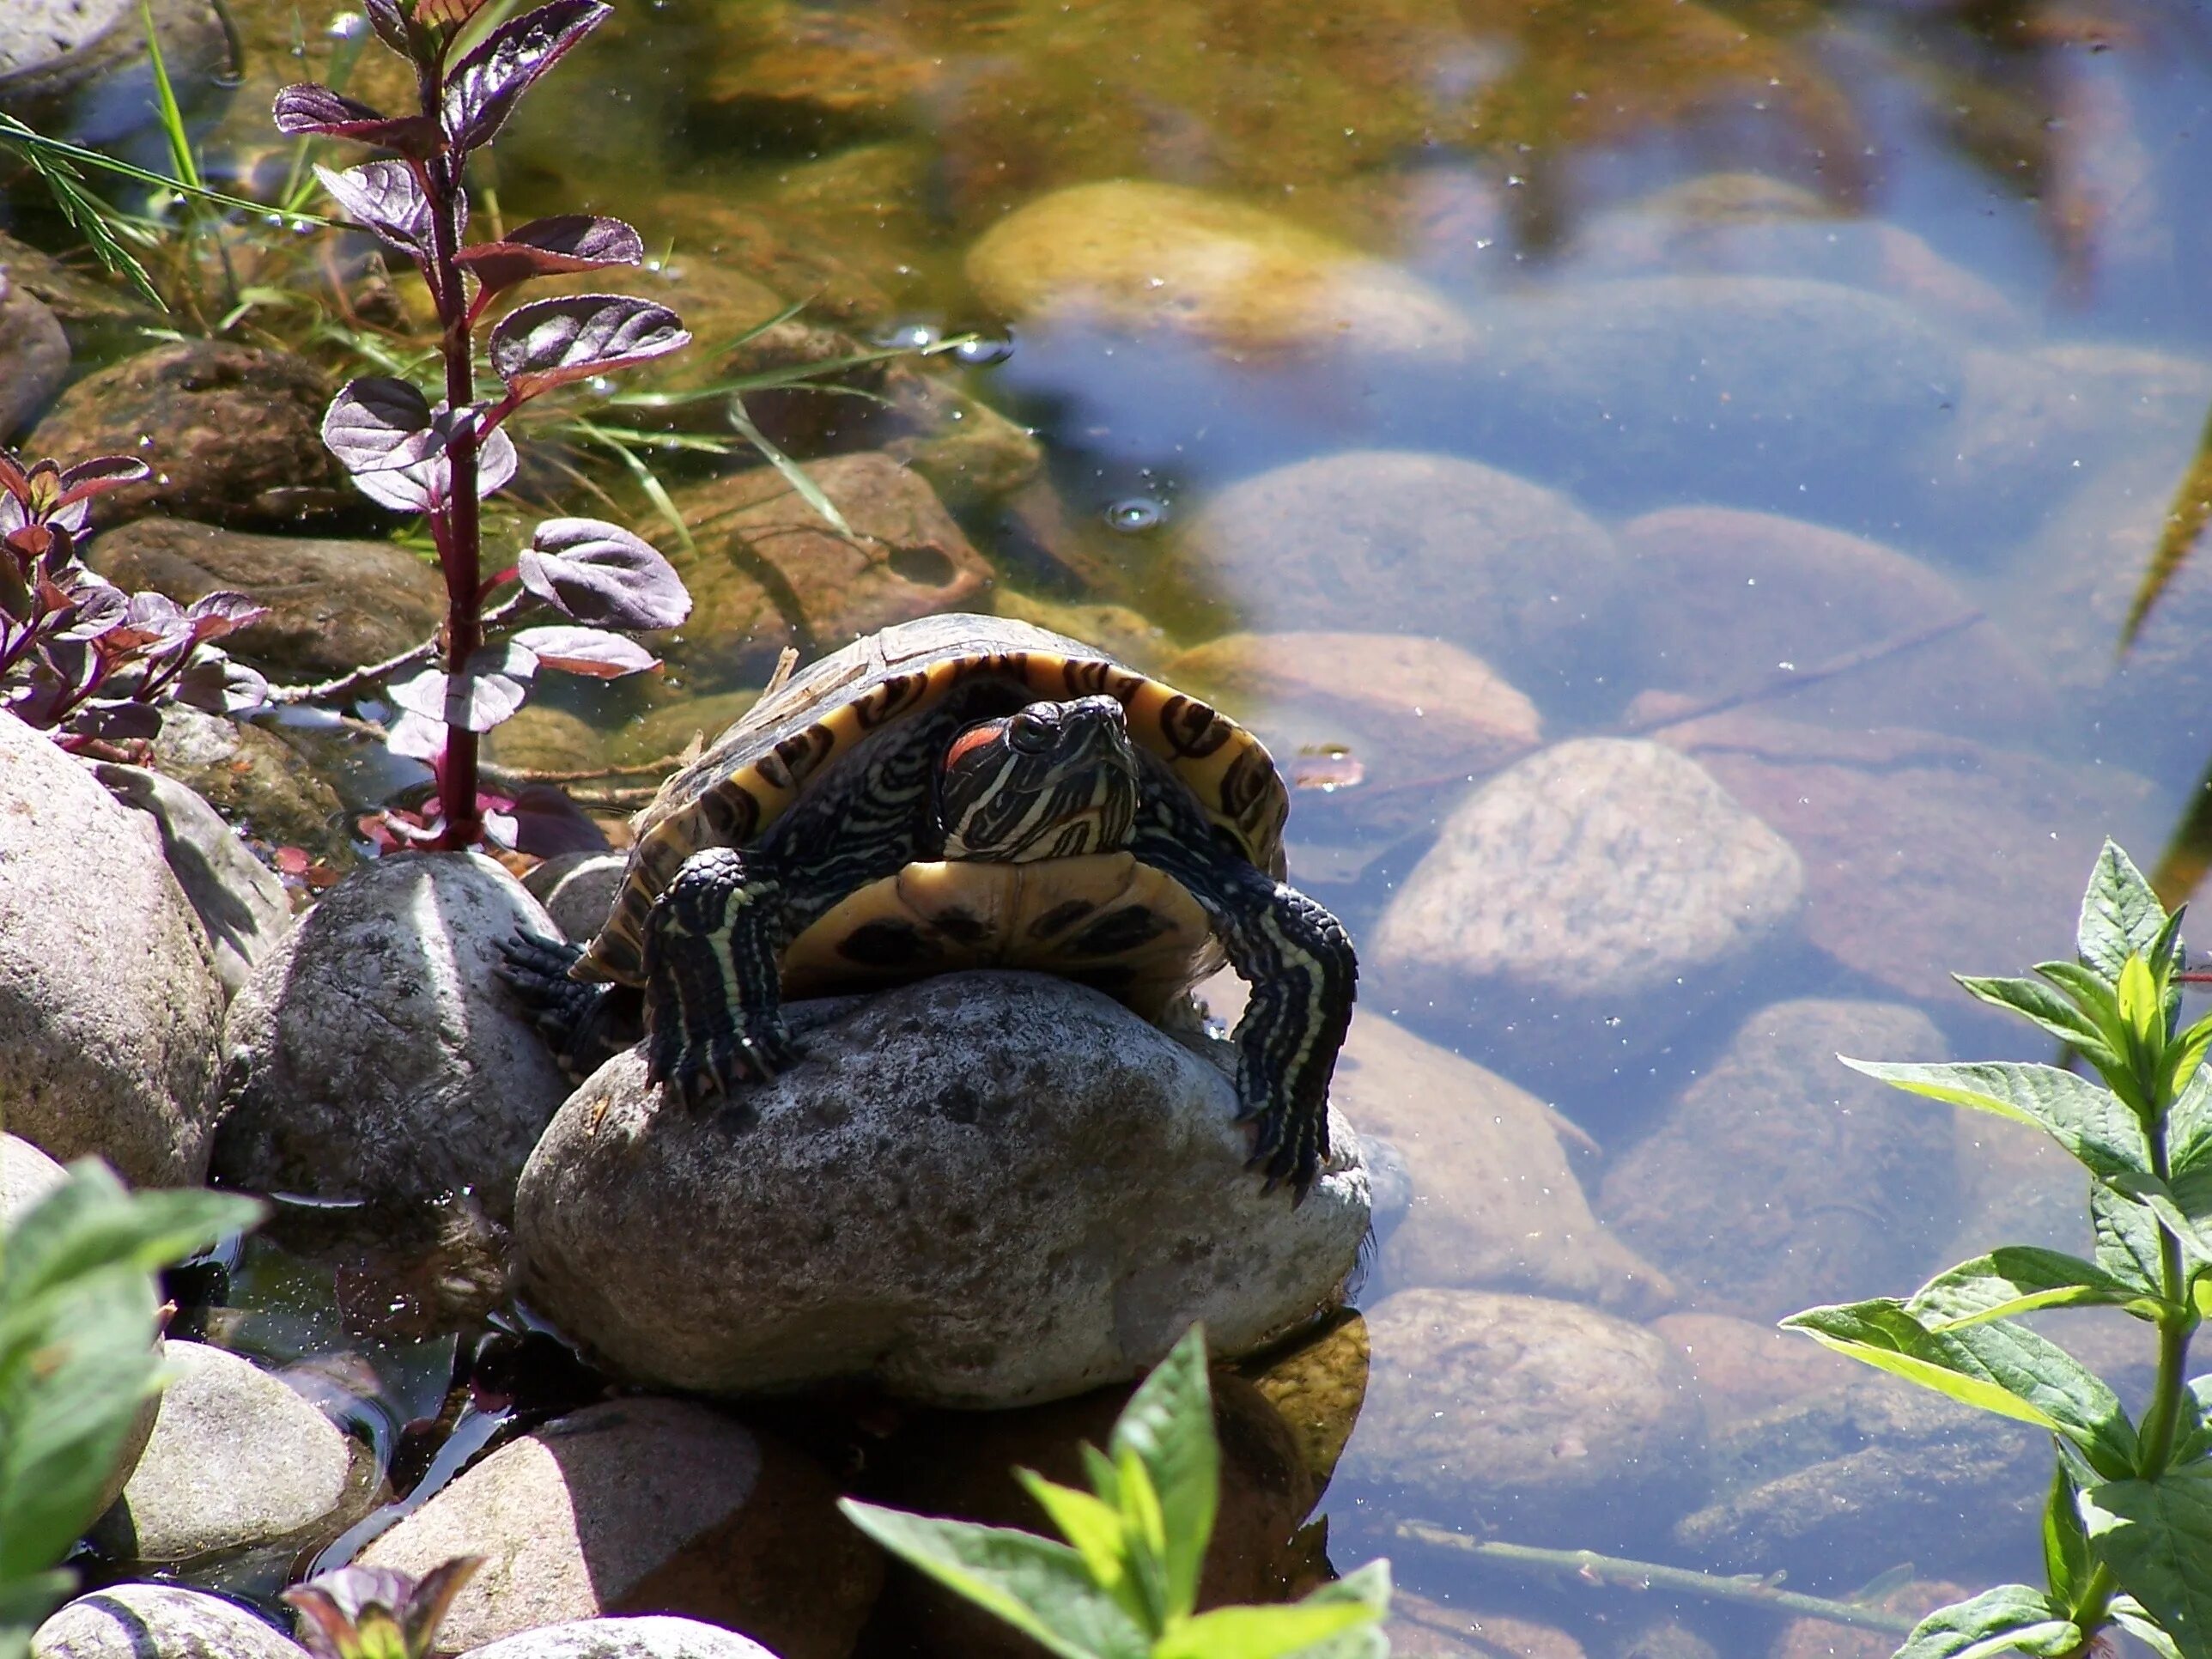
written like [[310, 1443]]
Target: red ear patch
[[973, 738]]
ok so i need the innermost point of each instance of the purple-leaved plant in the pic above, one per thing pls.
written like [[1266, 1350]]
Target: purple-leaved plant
[[441, 458]]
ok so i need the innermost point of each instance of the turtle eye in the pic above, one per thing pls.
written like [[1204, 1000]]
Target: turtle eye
[[1029, 733]]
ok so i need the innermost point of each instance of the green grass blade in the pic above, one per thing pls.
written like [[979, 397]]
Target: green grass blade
[[166, 106], [792, 473]]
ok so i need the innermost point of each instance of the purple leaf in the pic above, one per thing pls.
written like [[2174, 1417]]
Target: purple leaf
[[371, 418], [390, 23], [309, 108], [597, 572], [483, 87], [550, 342], [99, 475], [213, 682], [152, 624], [586, 651], [415, 737], [489, 690], [550, 247], [386, 198], [95, 607], [115, 720], [395, 445], [546, 823], [213, 614]]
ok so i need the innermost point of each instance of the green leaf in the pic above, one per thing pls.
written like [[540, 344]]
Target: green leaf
[[793, 474], [1370, 1588], [2189, 1125], [2193, 1434], [1261, 1632], [2156, 1536], [1168, 1427], [2121, 916], [92, 1222], [2012, 1617], [2184, 1211], [2143, 1006], [1092, 1526], [2128, 1614], [2055, 1013], [2015, 1279], [1998, 1367], [2127, 1239], [2065, 1547], [2092, 1123], [1038, 1587], [1144, 1527]]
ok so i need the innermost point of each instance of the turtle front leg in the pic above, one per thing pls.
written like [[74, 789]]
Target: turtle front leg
[[713, 991]]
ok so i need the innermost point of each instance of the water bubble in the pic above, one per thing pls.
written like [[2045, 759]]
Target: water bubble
[[985, 349], [346, 26], [1133, 515], [910, 337]]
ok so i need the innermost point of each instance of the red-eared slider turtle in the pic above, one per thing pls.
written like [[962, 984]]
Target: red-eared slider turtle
[[968, 792]]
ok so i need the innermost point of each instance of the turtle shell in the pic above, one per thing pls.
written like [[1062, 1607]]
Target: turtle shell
[[754, 770]]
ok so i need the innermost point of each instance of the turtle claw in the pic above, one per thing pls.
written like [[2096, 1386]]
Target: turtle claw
[[700, 1069]]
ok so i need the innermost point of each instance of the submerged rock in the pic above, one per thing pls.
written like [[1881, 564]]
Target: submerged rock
[[1589, 901], [158, 1621], [646, 1506], [1421, 1628], [78, 69], [376, 1056], [983, 1190], [35, 353], [109, 1001], [1836, 1182], [1316, 1384], [1746, 1368], [236, 1458], [259, 782]]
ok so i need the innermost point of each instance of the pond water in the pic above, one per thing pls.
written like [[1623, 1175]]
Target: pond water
[[1760, 414]]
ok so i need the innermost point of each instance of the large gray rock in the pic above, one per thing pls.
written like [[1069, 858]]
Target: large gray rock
[[241, 905], [34, 356], [157, 1621], [1367, 539], [79, 66], [984, 1189], [109, 1002], [1545, 1422], [236, 1459], [378, 1056], [1589, 901], [645, 1505], [27, 1175], [656, 1637], [1837, 1184]]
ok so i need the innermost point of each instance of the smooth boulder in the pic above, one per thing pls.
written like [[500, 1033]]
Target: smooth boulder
[[983, 1190], [377, 1055], [157, 1621], [34, 355], [109, 1001], [654, 1636]]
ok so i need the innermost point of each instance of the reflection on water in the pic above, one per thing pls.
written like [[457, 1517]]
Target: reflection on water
[[1667, 480]]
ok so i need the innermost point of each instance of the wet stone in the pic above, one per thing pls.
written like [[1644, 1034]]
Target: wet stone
[[35, 353], [1420, 1627], [1836, 1182], [918, 1203], [109, 1001], [260, 784], [78, 69], [1545, 1422], [334, 606], [652, 1637], [1316, 1385], [578, 890], [646, 1506], [966, 449], [1496, 1202], [1123, 633], [236, 1458], [1362, 541], [157, 1621], [1745, 1368], [770, 572], [377, 1056], [236, 434], [1591, 900]]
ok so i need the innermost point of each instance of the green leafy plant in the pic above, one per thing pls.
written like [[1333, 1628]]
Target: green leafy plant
[[77, 1324], [1125, 1584], [378, 1613], [2127, 1532]]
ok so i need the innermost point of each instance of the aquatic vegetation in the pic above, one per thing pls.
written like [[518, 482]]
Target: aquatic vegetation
[[2128, 1526], [442, 457], [1125, 1584], [78, 656], [77, 1359], [378, 1613]]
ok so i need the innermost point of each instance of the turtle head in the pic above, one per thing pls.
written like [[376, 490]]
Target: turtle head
[[1051, 779]]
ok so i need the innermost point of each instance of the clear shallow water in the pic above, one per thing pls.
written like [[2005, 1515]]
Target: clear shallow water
[[1958, 312]]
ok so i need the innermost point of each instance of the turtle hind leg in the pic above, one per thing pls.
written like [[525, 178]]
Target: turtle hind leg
[[583, 1025], [713, 1010]]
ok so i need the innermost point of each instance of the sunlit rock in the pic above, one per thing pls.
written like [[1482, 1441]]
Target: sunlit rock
[[645, 1505], [1123, 633], [1376, 541], [578, 890], [985, 1188], [109, 1001], [158, 1621], [1137, 256], [1545, 1422], [78, 68], [377, 1057], [653, 1637], [1586, 904], [1835, 1181]]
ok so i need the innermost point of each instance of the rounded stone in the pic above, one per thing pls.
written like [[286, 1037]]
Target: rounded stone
[[109, 1001], [651, 1637], [157, 1621], [27, 1175], [1591, 901], [983, 1189], [646, 1506], [1745, 1367], [1837, 1184], [377, 1056], [1545, 1422], [35, 353], [1421, 1628], [259, 782], [236, 1458], [78, 69], [1364, 540], [1316, 1384], [580, 901]]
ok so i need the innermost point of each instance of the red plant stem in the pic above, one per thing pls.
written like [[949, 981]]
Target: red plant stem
[[459, 546]]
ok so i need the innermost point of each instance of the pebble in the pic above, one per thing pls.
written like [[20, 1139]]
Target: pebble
[[981, 1189], [27, 1175], [236, 1459], [376, 1057], [656, 1637], [109, 1001], [646, 1506], [157, 1621], [1584, 905]]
